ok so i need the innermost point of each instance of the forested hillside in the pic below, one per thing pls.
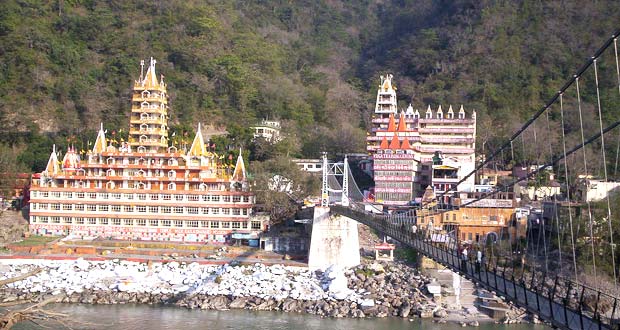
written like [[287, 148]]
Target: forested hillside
[[66, 65]]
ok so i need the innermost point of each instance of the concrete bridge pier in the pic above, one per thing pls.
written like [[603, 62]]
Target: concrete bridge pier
[[334, 241]]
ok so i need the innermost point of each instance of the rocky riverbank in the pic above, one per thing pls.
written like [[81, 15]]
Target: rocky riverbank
[[375, 290]]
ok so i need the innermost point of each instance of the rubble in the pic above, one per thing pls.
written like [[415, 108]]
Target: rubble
[[364, 291]]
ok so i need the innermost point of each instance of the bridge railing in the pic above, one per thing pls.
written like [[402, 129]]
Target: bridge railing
[[561, 301]]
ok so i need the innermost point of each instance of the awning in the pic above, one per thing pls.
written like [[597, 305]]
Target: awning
[[244, 236]]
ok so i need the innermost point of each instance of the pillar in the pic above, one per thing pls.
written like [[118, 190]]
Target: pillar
[[334, 241]]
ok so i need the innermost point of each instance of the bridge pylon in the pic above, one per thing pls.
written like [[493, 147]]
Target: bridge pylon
[[334, 241]]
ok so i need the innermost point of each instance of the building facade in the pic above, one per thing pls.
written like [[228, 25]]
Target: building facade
[[478, 221], [269, 130], [144, 188], [406, 146]]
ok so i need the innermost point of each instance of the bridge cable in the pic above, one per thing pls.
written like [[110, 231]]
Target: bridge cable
[[585, 166], [538, 113], [570, 213], [537, 156], [600, 118], [618, 78], [554, 195]]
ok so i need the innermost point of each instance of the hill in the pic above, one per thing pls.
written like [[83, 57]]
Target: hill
[[67, 65]]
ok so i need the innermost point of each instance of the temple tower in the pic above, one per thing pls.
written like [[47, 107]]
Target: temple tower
[[148, 124]]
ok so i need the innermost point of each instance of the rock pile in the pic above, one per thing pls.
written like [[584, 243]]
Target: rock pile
[[377, 290]]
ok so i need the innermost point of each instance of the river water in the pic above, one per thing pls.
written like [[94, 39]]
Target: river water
[[134, 317]]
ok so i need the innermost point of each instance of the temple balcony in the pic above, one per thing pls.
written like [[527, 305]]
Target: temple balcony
[[159, 121], [137, 109], [151, 98], [150, 130]]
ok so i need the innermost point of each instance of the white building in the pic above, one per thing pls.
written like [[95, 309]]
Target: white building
[[592, 190], [309, 165], [269, 130]]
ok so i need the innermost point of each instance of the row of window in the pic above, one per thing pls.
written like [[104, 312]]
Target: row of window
[[446, 217], [143, 197], [141, 209], [255, 225]]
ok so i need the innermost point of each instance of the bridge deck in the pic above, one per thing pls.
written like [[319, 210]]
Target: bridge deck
[[563, 311]]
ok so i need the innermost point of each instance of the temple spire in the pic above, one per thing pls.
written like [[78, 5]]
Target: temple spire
[[198, 146], [391, 124], [239, 173], [402, 125], [384, 143], [100, 144], [52, 164], [395, 143], [150, 78]]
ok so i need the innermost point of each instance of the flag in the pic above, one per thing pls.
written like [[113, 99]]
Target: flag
[[174, 133], [230, 157]]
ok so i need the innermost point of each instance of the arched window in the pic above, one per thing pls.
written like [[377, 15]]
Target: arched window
[[172, 186], [110, 172], [461, 115], [429, 115], [492, 237], [146, 94], [202, 187], [172, 150], [172, 174], [450, 115], [143, 138], [173, 162], [140, 173], [110, 185], [439, 115], [141, 149], [416, 115], [110, 160], [144, 105], [143, 127], [144, 116], [163, 139], [140, 185]]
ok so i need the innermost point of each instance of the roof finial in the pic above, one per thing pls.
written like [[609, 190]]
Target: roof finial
[[141, 70]]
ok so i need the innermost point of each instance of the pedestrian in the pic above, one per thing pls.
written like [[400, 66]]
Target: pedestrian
[[414, 229], [478, 260], [464, 259]]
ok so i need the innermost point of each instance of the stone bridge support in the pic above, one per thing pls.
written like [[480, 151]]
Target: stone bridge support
[[334, 241]]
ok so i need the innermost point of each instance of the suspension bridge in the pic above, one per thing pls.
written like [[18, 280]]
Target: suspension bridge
[[563, 269]]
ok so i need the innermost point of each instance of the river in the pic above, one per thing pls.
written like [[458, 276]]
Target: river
[[133, 317]]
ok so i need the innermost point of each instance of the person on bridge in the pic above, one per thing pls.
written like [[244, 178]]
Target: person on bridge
[[464, 259], [414, 230], [478, 260]]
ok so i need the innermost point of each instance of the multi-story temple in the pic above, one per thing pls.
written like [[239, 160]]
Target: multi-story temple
[[145, 188], [411, 152]]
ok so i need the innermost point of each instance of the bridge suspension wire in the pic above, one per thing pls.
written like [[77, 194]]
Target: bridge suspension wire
[[570, 213], [618, 79], [355, 193], [542, 110], [600, 118], [585, 170]]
